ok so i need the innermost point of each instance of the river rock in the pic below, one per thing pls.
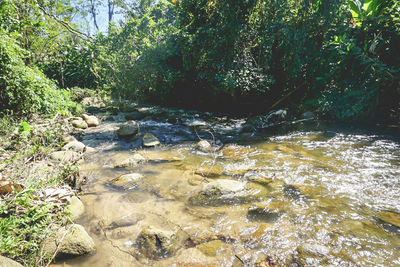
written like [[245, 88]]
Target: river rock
[[80, 124], [68, 139], [213, 248], [157, 243], [65, 155], [127, 220], [131, 162], [264, 121], [73, 241], [312, 250], [389, 217], [225, 191], [204, 146], [127, 181], [6, 262], [128, 130], [263, 213], [150, 140], [91, 121], [75, 207], [74, 146]]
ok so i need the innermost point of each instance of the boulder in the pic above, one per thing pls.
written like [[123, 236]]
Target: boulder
[[80, 124], [157, 243], [6, 262], [236, 152], [71, 241], [128, 130], [75, 207], [131, 162], [150, 140], [127, 181], [91, 121], [74, 146], [65, 155], [204, 146]]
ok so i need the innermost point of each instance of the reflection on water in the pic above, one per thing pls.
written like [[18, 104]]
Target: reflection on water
[[314, 197]]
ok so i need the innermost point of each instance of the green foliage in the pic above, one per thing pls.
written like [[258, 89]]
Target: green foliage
[[25, 89], [23, 226]]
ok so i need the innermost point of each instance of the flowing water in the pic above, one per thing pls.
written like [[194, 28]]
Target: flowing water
[[312, 194]]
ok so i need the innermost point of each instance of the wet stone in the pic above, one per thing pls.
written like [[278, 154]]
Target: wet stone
[[135, 115], [127, 220], [212, 248], [127, 181], [131, 162], [149, 140], [293, 192], [157, 243], [65, 155], [129, 130], [262, 213], [204, 146], [312, 250], [391, 218], [225, 191], [135, 197]]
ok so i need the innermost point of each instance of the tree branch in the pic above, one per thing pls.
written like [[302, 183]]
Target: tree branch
[[66, 25]]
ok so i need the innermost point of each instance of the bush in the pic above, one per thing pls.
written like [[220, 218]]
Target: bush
[[24, 89]]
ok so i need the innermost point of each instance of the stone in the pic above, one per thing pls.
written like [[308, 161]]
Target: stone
[[73, 241], [203, 145], [313, 250], [389, 217], [157, 243], [131, 162], [127, 220], [6, 262], [75, 146], [135, 115], [89, 149], [213, 171], [127, 181], [264, 121], [129, 130], [65, 155], [225, 191], [150, 140], [262, 213], [135, 197], [212, 248], [80, 124], [91, 121], [68, 139], [223, 187], [262, 180], [75, 207]]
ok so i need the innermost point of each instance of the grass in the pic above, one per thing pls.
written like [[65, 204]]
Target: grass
[[27, 216]]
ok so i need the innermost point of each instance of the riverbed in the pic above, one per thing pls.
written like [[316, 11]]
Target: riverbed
[[309, 193]]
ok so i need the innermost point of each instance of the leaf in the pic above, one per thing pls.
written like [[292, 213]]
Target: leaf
[[24, 127], [8, 187]]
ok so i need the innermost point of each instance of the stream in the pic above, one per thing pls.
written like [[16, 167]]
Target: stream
[[311, 193]]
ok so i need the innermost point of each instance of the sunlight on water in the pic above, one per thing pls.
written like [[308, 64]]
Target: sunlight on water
[[317, 198]]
